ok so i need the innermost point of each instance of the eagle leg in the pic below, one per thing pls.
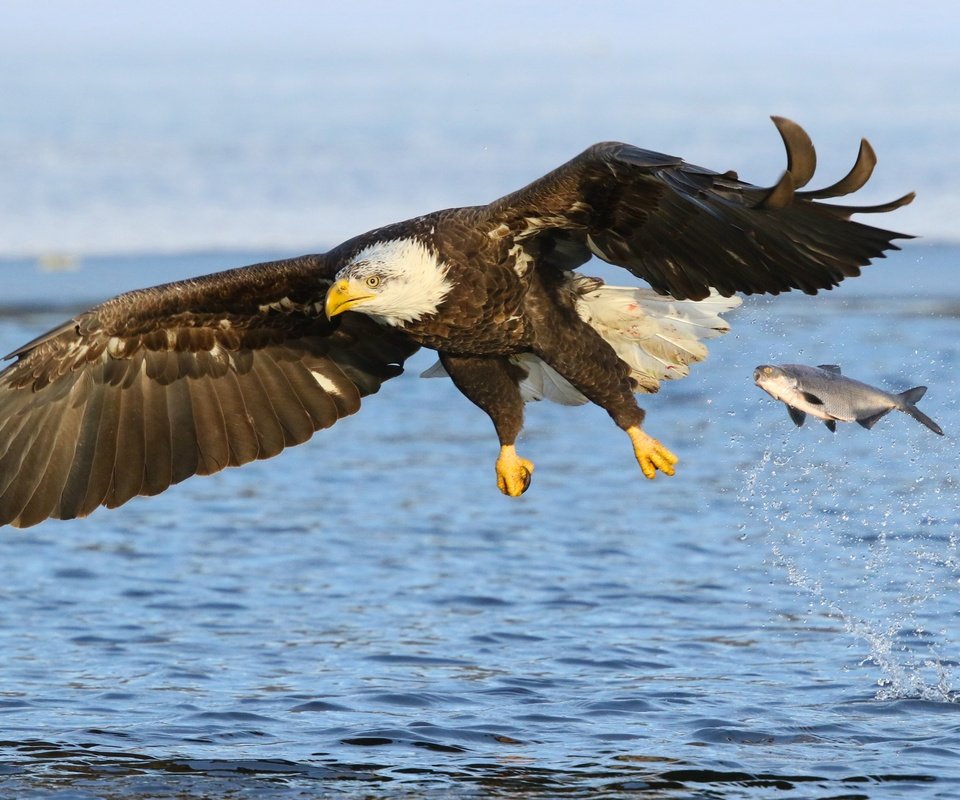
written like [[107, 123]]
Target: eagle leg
[[492, 383], [581, 355], [513, 472], [651, 455]]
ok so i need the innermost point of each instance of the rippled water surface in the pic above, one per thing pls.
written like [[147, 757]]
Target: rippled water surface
[[366, 616]]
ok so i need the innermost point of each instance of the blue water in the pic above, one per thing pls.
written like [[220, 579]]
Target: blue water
[[365, 615]]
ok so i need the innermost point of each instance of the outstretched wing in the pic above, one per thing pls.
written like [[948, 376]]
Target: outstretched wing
[[184, 379], [685, 229]]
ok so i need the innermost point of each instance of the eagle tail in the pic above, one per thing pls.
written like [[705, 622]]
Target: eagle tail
[[540, 382], [658, 336]]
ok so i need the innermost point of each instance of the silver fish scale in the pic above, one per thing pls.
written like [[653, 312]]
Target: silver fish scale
[[842, 397]]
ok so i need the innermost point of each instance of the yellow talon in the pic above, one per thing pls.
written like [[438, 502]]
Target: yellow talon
[[513, 472], [651, 455]]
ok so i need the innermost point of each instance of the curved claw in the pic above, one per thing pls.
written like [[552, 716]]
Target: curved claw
[[513, 473], [650, 454], [781, 195], [801, 163], [801, 156], [858, 175], [878, 209]]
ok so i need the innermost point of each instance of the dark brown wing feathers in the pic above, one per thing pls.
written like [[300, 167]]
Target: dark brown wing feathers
[[184, 379], [686, 229], [188, 378]]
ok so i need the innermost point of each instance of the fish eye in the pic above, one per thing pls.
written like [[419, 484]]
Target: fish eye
[[373, 281]]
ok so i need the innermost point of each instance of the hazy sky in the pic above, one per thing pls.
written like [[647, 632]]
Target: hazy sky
[[732, 27], [129, 123]]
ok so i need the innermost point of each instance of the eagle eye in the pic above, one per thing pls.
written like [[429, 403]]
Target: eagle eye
[[373, 281]]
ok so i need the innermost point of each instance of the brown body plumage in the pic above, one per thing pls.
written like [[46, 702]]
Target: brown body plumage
[[159, 384]]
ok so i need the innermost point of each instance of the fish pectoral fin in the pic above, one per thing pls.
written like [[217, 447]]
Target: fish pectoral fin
[[869, 422], [796, 415], [829, 368], [831, 424], [812, 399]]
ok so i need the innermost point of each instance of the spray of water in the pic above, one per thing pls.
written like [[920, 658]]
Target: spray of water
[[876, 558]]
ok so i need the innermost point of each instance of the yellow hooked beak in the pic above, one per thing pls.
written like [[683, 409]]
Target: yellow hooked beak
[[343, 296]]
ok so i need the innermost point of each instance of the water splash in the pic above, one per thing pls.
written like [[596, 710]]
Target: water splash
[[876, 560]]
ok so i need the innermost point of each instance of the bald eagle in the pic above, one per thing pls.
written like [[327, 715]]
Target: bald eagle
[[187, 378]]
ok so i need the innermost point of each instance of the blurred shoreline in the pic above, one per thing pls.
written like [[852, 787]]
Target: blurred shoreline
[[921, 269]]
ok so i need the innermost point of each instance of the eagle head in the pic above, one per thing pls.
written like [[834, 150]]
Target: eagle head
[[395, 281]]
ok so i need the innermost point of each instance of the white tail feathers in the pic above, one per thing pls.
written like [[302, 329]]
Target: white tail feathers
[[658, 337], [544, 382]]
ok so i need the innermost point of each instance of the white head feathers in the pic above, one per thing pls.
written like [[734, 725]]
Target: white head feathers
[[412, 280]]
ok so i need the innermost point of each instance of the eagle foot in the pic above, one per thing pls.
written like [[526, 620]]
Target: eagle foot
[[651, 455], [513, 472]]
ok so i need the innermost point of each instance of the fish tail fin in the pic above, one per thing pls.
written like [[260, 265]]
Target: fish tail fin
[[912, 396], [909, 398]]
